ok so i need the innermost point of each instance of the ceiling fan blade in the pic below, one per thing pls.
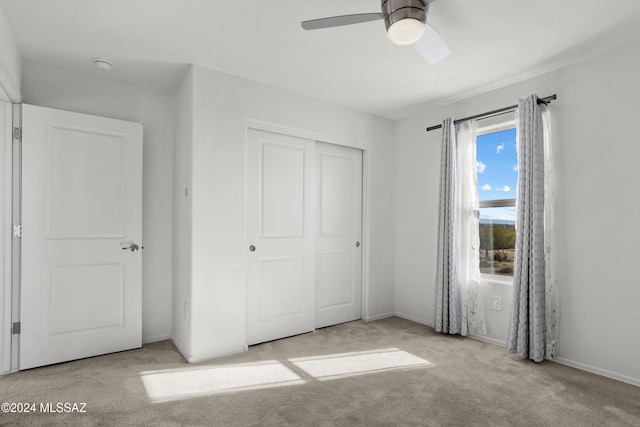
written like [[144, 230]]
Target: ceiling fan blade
[[337, 21], [431, 46]]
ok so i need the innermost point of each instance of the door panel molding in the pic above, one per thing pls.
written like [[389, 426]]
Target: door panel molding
[[334, 300], [61, 220], [329, 222], [272, 216], [63, 279]]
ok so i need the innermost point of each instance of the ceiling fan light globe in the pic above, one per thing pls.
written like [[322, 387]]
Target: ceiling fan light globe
[[405, 31]]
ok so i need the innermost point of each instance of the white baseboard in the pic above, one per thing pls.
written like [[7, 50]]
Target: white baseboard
[[179, 347], [378, 317], [157, 338], [598, 371], [488, 340], [560, 360], [213, 356], [206, 357], [414, 319]]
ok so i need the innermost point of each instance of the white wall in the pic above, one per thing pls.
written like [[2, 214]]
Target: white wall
[[67, 90], [222, 104], [596, 152], [182, 223]]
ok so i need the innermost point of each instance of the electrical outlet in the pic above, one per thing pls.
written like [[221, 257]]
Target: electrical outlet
[[497, 303]]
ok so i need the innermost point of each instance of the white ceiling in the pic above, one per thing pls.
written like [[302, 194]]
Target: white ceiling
[[492, 43]]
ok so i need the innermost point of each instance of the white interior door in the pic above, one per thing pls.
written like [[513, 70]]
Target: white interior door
[[339, 231], [81, 222], [280, 271]]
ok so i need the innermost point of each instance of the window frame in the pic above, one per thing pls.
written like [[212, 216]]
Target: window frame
[[497, 203], [493, 124]]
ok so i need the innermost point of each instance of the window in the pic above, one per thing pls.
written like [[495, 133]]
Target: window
[[497, 169]]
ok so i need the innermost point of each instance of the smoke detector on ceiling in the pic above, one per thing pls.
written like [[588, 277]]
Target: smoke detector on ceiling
[[102, 64]]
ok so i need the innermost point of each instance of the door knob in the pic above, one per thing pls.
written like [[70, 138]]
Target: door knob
[[132, 247], [252, 248], [357, 244]]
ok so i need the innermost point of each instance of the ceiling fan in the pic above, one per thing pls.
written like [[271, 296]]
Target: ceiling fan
[[406, 22]]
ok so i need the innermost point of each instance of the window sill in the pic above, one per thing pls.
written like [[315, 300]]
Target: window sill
[[496, 279]]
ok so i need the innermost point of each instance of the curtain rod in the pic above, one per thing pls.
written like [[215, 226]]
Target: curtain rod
[[545, 101]]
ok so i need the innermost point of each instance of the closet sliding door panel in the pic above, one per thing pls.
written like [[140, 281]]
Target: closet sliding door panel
[[339, 234], [281, 248]]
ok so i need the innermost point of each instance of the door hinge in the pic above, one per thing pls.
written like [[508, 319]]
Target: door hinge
[[17, 231], [15, 328], [17, 133]]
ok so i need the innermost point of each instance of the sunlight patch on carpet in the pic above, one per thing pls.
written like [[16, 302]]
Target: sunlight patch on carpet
[[185, 383], [178, 384], [358, 363]]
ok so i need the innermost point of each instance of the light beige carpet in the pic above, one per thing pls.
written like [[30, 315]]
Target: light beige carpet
[[384, 373]]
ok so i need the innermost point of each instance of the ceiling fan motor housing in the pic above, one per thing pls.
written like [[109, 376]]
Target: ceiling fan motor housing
[[396, 10]]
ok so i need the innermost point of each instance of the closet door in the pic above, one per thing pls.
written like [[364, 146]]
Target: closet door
[[280, 238], [339, 231]]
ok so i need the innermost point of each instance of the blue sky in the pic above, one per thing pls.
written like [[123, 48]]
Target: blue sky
[[497, 170], [496, 160]]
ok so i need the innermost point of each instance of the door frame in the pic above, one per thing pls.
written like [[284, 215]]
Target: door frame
[[330, 139], [10, 245], [6, 170], [9, 93]]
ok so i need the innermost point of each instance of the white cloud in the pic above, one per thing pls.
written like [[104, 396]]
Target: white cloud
[[480, 167], [506, 189], [515, 168], [486, 187], [500, 148]]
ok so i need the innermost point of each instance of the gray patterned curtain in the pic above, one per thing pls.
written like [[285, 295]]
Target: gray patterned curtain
[[458, 308], [528, 325], [448, 305]]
